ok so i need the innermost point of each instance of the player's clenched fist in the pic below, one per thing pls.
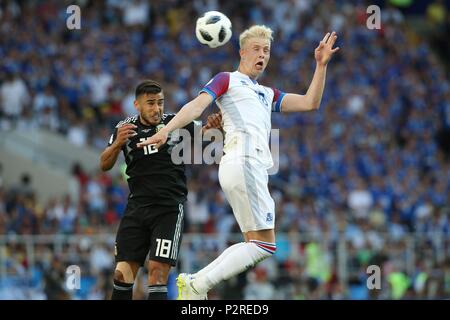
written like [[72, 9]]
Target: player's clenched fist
[[214, 121], [124, 133]]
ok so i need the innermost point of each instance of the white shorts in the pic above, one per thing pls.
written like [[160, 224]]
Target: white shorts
[[245, 184]]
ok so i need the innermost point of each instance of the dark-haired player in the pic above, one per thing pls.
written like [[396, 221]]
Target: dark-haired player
[[153, 221]]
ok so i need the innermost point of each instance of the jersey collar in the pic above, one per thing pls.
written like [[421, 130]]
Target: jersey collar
[[247, 77], [144, 125]]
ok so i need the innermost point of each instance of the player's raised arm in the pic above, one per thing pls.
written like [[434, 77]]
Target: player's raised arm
[[188, 112], [311, 100]]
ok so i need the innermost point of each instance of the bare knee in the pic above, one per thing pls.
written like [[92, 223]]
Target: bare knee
[[126, 271], [158, 273], [118, 276]]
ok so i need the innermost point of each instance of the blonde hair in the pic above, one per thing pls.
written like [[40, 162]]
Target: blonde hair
[[257, 31]]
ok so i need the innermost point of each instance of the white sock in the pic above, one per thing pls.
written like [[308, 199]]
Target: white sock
[[214, 263], [244, 256]]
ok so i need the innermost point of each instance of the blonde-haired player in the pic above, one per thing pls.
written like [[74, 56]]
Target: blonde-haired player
[[246, 111]]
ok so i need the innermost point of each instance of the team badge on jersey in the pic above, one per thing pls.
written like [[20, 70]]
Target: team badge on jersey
[[160, 126]]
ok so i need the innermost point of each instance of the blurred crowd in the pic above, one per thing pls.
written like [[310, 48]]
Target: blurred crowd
[[370, 169]]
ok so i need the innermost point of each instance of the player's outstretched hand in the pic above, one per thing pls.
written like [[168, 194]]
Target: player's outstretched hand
[[214, 121], [124, 133], [157, 139], [325, 51]]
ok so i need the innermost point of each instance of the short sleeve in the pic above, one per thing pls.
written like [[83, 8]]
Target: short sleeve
[[112, 138], [218, 85], [278, 96]]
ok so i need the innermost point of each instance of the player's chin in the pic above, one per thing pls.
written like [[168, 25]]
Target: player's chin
[[258, 71], [154, 120]]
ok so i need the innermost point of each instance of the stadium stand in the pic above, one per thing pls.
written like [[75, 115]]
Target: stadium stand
[[363, 181]]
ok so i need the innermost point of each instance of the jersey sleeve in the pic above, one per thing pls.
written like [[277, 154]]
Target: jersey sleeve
[[278, 96], [113, 137], [218, 85], [167, 117]]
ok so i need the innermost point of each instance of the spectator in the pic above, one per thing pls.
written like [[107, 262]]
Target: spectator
[[14, 96]]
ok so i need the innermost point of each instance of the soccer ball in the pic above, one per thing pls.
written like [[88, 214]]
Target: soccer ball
[[213, 29]]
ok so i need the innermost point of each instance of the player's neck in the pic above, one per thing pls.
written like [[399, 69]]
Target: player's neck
[[242, 70]]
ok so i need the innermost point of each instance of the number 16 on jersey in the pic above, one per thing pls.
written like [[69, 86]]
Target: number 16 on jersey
[[151, 148]]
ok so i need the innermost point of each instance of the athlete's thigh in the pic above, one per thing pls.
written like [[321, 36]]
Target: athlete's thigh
[[132, 240], [245, 185], [166, 233]]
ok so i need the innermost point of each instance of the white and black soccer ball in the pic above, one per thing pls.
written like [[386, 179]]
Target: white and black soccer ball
[[213, 29]]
